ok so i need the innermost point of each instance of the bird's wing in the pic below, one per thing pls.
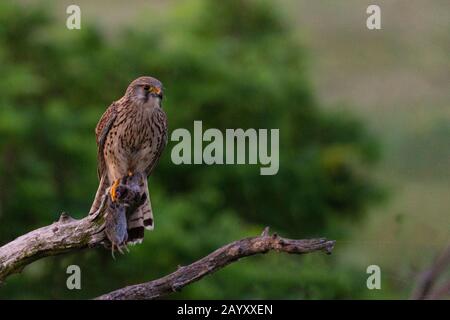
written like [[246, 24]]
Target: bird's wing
[[161, 119], [101, 132]]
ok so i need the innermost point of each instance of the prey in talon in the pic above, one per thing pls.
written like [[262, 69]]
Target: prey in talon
[[116, 227], [128, 196], [131, 136]]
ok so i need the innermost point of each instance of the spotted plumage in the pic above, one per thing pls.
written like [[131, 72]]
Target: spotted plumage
[[131, 136]]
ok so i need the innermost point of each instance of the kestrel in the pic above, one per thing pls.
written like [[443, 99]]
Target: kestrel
[[131, 136]]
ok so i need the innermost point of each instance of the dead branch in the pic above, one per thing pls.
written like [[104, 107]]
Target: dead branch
[[68, 234], [215, 261], [426, 287]]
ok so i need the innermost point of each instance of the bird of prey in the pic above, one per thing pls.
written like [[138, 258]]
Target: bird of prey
[[131, 136]]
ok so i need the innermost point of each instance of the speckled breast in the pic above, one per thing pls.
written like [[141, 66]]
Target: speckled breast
[[132, 144]]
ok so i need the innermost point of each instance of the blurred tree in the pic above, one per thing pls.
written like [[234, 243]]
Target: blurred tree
[[231, 64]]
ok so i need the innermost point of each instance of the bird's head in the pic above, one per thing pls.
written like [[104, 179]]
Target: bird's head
[[145, 91]]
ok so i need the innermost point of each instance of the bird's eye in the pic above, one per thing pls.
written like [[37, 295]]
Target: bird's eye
[[146, 88]]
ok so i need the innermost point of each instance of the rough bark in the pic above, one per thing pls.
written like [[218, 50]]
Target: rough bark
[[66, 234], [427, 287], [215, 261]]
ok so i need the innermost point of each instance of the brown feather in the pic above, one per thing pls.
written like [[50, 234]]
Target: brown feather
[[131, 136]]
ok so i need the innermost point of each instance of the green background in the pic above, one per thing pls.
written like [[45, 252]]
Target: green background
[[364, 150]]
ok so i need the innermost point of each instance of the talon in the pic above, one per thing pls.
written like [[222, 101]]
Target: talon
[[112, 251], [114, 189]]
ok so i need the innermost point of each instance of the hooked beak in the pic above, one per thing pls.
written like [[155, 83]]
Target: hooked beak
[[155, 91]]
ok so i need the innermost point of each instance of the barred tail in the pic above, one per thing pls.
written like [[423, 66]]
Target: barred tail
[[140, 219], [104, 184]]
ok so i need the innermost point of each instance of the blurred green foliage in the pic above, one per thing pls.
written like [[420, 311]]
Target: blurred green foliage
[[231, 64]]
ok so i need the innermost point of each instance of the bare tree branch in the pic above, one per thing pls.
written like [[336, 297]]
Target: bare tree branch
[[67, 234], [215, 261], [440, 293], [425, 288]]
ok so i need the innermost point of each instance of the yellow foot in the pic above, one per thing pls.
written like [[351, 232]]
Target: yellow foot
[[113, 190]]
